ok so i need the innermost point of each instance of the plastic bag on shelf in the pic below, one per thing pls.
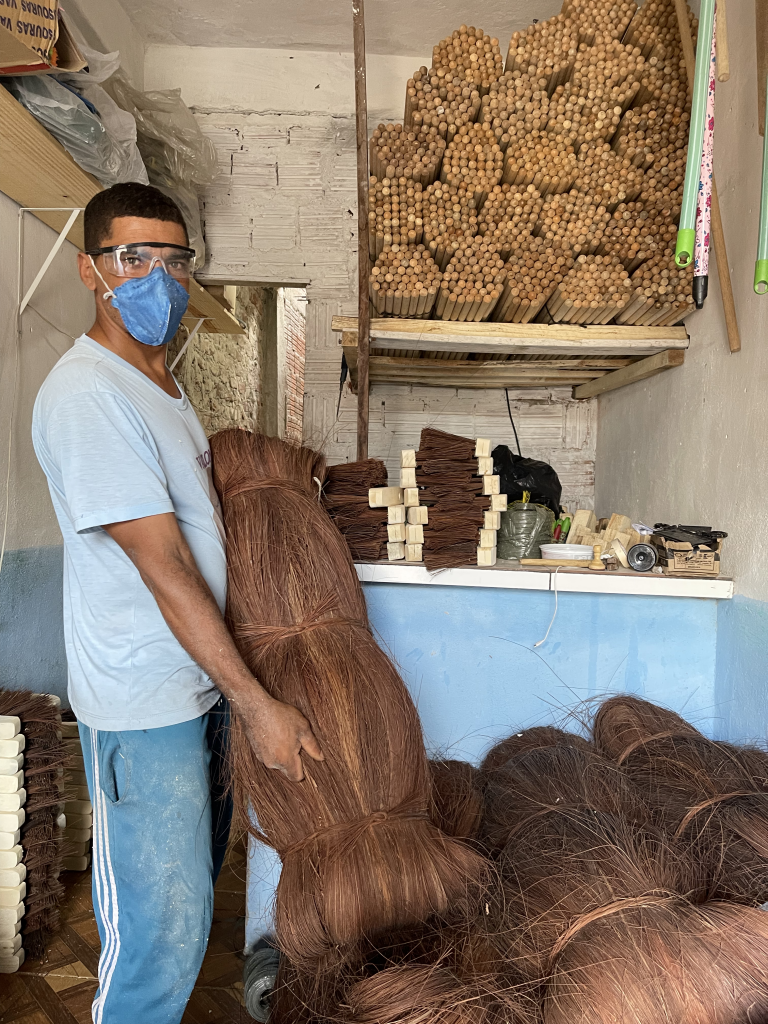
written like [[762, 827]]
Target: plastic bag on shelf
[[524, 528], [519, 474], [175, 151], [80, 131]]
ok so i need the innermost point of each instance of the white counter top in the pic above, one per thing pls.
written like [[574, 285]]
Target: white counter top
[[509, 576]]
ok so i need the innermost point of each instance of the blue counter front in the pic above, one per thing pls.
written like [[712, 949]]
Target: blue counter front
[[464, 641]]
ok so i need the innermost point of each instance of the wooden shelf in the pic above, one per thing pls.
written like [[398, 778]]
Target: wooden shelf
[[441, 353], [36, 171]]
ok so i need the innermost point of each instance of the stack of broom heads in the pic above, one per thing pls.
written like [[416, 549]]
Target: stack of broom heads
[[605, 878]]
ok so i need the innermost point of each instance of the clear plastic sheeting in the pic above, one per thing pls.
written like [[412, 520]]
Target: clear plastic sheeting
[[524, 528], [78, 126]]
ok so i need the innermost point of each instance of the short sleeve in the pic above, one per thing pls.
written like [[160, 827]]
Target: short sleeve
[[109, 465]]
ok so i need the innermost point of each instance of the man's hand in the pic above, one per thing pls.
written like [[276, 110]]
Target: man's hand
[[278, 733], [156, 546]]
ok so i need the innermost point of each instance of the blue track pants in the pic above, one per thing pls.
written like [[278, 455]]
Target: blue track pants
[[160, 826]]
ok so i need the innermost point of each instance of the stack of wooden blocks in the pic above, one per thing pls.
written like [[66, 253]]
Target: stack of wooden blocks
[[78, 809], [614, 535], [405, 516], [486, 550], [13, 887]]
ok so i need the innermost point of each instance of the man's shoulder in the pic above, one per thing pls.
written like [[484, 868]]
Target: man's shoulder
[[81, 370]]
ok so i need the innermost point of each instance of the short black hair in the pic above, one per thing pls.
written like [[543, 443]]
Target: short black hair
[[128, 199]]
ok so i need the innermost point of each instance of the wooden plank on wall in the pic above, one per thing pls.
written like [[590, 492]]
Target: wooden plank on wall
[[640, 370], [36, 171]]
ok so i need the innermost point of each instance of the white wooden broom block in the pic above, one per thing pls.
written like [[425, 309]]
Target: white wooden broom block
[[383, 497], [418, 515], [12, 895], [79, 835], [10, 916], [10, 877], [10, 946], [487, 538], [81, 793], [498, 503], [77, 849], [11, 783], [11, 765], [10, 858], [12, 801], [8, 932], [77, 778], [11, 821], [482, 448], [79, 821], [491, 484], [485, 466], [408, 458], [396, 533], [9, 839], [414, 535], [411, 496], [78, 807], [11, 964], [10, 748], [395, 552], [413, 552], [70, 731], [492, 521], [395, 514], [10, 726], [486, 556], [408, 477]]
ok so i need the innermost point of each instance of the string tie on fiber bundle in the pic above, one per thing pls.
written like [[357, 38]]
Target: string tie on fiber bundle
[[630, 903], [263, 484], [711, 802], [349, 832], [256, 636]]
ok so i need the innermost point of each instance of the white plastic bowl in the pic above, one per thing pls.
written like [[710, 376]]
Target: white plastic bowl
[[577, 552]]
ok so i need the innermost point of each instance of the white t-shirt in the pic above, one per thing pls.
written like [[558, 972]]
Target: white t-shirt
[[114, 446]]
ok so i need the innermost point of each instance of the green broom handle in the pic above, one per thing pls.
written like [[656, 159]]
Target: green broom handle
[[686, 234], [761, 266]]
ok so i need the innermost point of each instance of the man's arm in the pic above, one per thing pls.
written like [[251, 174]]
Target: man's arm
[[156, 546]]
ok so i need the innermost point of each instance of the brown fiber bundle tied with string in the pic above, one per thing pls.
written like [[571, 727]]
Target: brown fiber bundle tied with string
[[711, 797], [530, 739], [360, 854], [345, 499], [593, 909]]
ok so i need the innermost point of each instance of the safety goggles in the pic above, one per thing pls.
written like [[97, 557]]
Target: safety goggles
[[141, 258]]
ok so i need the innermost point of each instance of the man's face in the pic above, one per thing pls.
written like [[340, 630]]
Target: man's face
[[124, 231]]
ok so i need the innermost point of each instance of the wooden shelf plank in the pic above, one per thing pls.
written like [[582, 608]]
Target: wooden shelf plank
[[36, 170], [640, 370], [492, 338]]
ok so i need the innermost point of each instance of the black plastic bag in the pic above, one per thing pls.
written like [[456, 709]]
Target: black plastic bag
[[519, 474]]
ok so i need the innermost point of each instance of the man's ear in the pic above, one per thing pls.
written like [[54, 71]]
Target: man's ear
[[87, 273]]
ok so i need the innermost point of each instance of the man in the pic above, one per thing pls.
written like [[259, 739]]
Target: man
[[149, 655]]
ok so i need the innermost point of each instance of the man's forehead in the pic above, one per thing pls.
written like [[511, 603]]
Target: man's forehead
[[124, 230]]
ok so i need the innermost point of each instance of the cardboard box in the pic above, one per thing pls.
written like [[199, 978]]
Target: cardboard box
[[678, 559], [29, 32]]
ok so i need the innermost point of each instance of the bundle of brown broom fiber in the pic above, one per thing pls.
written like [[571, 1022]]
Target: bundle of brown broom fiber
[[710, 797], [360, 855], [41, 836], [345, 499]]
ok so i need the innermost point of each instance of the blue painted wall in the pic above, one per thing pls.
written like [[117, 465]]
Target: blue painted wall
[[741, 670]]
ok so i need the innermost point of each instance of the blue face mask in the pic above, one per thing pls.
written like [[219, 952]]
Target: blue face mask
[[151, 307]]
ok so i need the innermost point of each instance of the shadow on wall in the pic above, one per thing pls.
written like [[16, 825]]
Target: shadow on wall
[[31, 627], [742, 670]]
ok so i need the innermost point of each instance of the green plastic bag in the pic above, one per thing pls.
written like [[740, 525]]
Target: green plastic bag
[[524, 528]]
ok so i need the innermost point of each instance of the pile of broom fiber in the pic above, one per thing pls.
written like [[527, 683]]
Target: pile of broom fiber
[[614, 879], [345, 499], [41, 834]]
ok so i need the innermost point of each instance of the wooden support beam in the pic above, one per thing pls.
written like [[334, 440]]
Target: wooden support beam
[[640, 370], [718, 235], [363, 267]]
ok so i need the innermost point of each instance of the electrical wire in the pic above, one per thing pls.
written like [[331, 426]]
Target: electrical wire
[[514, 428], [554, 614]]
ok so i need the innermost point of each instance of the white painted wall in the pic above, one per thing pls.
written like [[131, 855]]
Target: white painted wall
[[61, 309], [283, 210], [106, 27], [689, 446]]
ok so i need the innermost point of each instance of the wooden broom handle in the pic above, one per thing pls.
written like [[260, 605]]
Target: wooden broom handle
[[718, 235]]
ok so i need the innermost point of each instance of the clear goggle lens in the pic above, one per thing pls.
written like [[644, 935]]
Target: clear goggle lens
[[140, 260]]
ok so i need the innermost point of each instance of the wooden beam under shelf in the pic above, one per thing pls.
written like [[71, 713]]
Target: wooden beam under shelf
[[640, 370], [36, 171], [511, 339]]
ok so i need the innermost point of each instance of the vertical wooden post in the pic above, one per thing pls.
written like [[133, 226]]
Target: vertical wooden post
[[718, 235], [363, 308]]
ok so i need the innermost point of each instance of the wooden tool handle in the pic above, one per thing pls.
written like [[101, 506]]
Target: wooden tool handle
[[723, 56]]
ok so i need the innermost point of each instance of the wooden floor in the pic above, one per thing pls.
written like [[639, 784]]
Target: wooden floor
[[59, 988]]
